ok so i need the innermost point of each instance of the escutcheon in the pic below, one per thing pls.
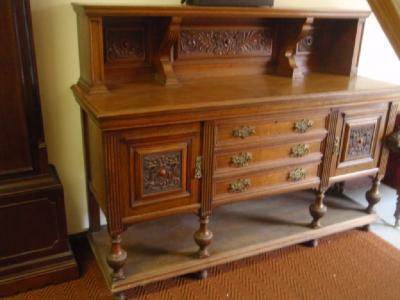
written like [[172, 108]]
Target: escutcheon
[[297, 175], [240, 186], [241, 160], [303, 126], [300, 150], [244, 132]]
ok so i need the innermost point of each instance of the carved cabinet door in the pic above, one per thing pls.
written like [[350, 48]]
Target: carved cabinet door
[[358, 142], [159, 170]]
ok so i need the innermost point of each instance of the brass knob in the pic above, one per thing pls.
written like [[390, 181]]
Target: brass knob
[[163, 172]]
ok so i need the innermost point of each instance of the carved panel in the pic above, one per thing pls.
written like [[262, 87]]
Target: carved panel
[[162, 172], [360, 142], [124, 44], [225, 42]]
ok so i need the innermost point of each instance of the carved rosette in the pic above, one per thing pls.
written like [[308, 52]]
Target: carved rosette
[[162, 172], [360, 142], [123, 44], [208, 43]]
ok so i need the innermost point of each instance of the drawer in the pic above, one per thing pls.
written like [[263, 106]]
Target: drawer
[[266, 157], [237, 188], [245, 131]]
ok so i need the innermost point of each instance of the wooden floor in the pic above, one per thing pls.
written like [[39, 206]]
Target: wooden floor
[[165, 248]]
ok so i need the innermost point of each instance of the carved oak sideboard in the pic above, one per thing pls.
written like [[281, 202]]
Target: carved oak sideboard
[[186, 109]]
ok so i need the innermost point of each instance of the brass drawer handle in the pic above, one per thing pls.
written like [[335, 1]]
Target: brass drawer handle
[[300, 150], [303, 126], [241, 160], [297, 175], [244, 132], [240, 186]]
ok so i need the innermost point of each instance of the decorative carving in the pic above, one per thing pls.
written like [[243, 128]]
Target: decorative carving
[[297, 175], [124, 44], [225, 42], [360, 142], [300, 150], [198, 169], [162, 172], [241, 160], [303, 126], [240, 186], [244, 132]]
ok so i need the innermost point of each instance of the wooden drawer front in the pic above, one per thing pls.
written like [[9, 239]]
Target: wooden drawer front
[[160, 168], [245, 131], [262, 183], [266, 157]]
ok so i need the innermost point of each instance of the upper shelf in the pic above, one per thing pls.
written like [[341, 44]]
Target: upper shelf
[[124, 44], [228, 12]]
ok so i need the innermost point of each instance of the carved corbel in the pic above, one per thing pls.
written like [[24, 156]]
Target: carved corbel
[[289, 64], [165, 71]]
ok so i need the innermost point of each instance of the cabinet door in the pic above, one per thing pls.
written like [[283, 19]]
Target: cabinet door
[[358, 142], [159, 167]]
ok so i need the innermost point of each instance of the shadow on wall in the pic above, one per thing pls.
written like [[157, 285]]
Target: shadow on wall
[[55, 37]]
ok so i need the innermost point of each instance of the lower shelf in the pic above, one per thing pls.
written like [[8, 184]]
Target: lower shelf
[[165, 248]]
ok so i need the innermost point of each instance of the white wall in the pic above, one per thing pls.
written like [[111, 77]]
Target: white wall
[[55, 34]]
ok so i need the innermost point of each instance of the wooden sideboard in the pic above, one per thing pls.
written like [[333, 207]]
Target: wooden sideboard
[[186, 109]]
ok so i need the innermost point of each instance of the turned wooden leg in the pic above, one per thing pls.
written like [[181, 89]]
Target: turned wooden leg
[[318, 210], [373, 196], [312, 243], [397, 213], [116, 258], [203, 237]]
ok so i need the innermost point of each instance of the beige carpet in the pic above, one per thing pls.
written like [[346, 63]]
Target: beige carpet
[[352, 265]]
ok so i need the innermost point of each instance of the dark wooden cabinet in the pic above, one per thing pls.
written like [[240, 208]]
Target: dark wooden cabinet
[[186, 109], [34, 246]]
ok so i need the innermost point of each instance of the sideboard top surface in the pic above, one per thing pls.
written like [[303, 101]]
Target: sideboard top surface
[[191, 95], [119, 10]]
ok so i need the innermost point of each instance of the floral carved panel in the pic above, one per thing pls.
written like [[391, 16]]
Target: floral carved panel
[[225, 42], [162, 172], [124, 45], [361, 141]]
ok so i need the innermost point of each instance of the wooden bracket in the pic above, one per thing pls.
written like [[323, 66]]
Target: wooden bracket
[[289, 59], [165, 71]]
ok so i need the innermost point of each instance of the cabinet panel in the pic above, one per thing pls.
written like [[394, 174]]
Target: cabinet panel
[[158, 167], [359, 136]]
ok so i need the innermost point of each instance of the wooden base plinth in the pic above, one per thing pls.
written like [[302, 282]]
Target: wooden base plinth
[[39, 273], [164, 248]]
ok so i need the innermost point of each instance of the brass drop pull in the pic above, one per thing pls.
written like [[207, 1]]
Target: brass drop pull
[[240, 186], [244, 132], [241, 160], [303, 126], [297, 175], [300, 150], [336, 146], [198, 169]]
